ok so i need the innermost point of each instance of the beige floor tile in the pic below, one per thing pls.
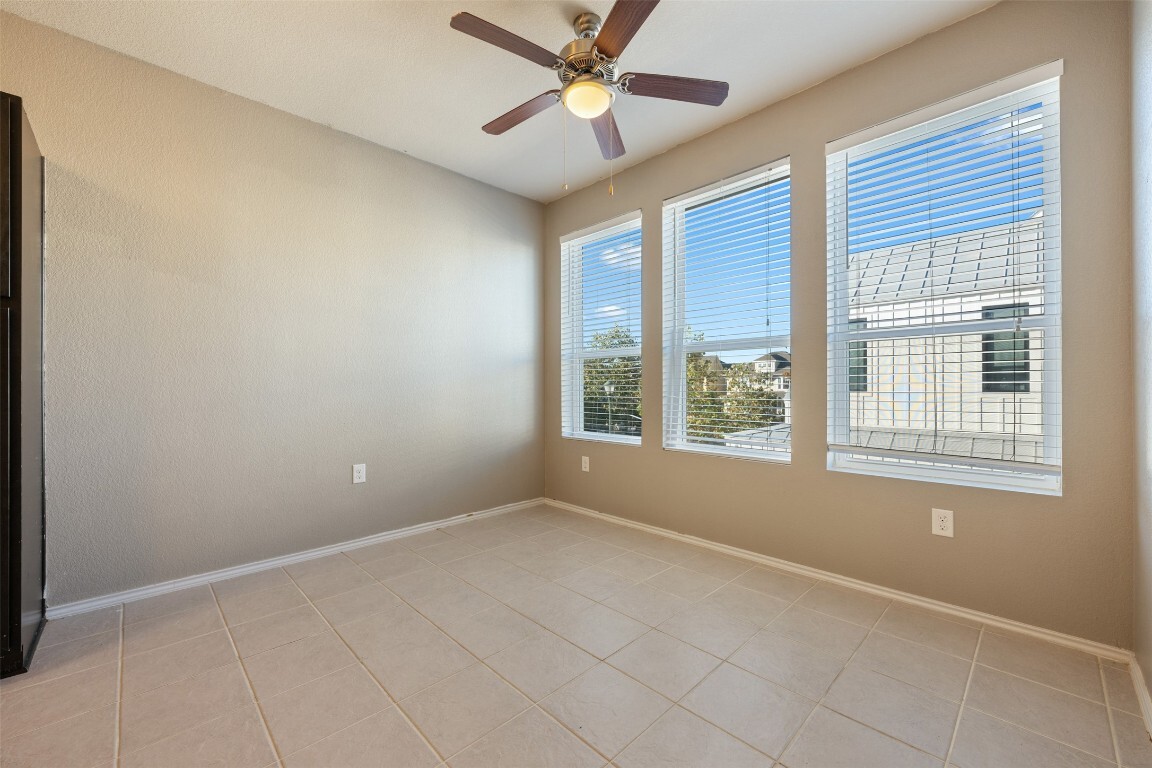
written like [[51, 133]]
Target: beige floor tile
[[529, 739], [486, 539], [278, 629], [647, 604], [710, 629], [420, 541], [635, 566], [843, 603], [717, 565], [81, 625], [1047, 663], [249, 606], [591, 528], [303, 661], [166, 711], [427, 585], [482, 564], [593, 550], [59, 699], [320, 708], [236, 740], [606, 708], [759, 712], [929, 629], [900, 710], [393, 566], [171, 628], [172, 602], [460, 604], [1058, 715], [450, 713], [550, 604], [308, 568], [796, 666], [166, 665], [356, 604], [830, 740], [685, 583], [83, 741], [596, 583], [781, 585], [511, 583], [680, 738], [1121, 693], [554, 565], [666, 665], [748, 604], [530, 527], [375, 551], [540, 663], [447, 551], [986, 742], [561, 539], [519, 551], [933, 671], [1132, 741], [599, 630], [405, 655], [825, 633], [491, 630], [66, 658], [334, 582], [384, 740], [252, 582], [668, 550]]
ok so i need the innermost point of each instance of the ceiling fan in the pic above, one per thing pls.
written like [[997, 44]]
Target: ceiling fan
[[587, 68]]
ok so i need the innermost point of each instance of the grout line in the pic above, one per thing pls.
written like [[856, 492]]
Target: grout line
[[247, 679], [119, 693], [1108, 709], [963, 699]]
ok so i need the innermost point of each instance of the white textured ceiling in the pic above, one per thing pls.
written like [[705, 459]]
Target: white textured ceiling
[[396, 74]]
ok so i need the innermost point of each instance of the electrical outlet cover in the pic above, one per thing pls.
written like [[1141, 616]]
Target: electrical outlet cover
[[942, 522], [359, 473]]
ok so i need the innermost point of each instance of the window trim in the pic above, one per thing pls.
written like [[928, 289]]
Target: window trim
[[571, 306], [1023, 477], [675, 348]]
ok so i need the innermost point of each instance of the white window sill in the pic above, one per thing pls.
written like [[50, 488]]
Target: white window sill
[[748, 454], [601, 437], [1022, 482]]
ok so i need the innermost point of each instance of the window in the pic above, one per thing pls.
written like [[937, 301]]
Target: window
[[1006, 353], [600, 327], [944, 292], [727, 317]]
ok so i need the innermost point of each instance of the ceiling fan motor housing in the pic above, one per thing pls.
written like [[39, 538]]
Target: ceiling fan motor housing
[[580, 59]]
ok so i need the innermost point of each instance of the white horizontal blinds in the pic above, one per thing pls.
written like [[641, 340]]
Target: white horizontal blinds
[[727, 317], [600, 327], [944, 292]]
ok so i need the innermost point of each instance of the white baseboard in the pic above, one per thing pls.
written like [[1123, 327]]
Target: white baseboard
[[1141, 693], [1069, 641], [130, 595]]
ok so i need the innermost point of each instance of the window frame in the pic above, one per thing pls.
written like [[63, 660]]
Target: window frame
[[984, 473], [573, 355], [675, 348]]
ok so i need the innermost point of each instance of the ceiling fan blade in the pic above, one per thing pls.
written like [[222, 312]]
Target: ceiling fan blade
[[514, 117], [710, 92], [502, 38], [621, 26], [608, 136]]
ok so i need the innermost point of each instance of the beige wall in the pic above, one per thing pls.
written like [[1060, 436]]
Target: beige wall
[[1063, 563], [242, 304], [1142, 251]]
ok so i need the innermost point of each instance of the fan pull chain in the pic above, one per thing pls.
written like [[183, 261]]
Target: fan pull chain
[[565, 149], [611, 154]]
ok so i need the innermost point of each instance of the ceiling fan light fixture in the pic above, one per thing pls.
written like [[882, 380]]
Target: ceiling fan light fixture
[[587, 97]]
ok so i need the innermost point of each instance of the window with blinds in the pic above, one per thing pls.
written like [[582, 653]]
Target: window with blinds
[[727, 317], [600, 332], [944, 294]]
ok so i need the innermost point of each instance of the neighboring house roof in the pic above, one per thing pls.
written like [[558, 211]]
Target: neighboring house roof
[[997, 258], [781, 359]]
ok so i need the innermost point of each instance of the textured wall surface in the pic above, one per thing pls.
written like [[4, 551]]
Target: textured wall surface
[[242, 304], [1142, 253], [1063, 563]]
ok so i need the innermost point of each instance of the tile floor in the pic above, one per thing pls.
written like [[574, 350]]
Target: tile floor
[[546, 638]]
